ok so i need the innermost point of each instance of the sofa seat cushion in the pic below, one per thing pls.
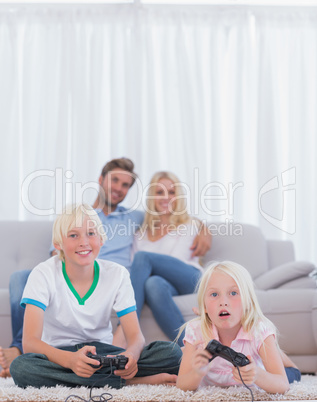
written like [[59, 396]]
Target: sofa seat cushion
[[294, 312]]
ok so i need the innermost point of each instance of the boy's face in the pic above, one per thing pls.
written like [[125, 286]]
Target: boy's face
[[223, 302], [115, 186], [81, 245]]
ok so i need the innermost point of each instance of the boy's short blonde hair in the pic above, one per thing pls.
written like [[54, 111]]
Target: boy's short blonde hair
[[74, 216]]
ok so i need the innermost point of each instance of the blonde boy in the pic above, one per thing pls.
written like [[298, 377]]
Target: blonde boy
[[68, 301]]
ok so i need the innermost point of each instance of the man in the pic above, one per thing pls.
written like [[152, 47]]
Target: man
[[120, 224]]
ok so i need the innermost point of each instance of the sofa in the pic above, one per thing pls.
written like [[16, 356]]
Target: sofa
[[286, 288]]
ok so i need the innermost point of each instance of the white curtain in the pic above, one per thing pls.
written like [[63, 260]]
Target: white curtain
[[225, 97]]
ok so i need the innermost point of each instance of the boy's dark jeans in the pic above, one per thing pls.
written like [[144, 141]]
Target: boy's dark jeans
[[36, 370]]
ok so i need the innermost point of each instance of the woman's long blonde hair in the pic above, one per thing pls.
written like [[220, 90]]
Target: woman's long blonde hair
[[179, 214]]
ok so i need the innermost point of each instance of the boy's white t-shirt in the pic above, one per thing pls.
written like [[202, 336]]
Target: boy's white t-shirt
[[70, 320]]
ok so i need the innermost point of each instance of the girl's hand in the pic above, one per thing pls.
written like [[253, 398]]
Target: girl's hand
[[80, 362], [200, 361], [248, 372], [131, 368]]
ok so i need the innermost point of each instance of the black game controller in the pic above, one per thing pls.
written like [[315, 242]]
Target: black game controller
[[116, 362], [217, 349]]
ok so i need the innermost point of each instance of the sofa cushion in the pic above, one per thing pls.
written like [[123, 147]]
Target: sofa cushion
[[240, 243], [279, 276], [30, 246]]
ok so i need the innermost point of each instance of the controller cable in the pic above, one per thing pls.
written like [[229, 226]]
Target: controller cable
[[104, 397], [252, 397]]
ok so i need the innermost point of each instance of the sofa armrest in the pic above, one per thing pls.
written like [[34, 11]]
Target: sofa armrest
[[282, 274]]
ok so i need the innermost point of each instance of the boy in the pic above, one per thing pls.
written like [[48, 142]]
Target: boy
[[68, 301]]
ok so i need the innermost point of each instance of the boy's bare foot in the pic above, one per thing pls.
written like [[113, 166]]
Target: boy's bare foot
[[119, 338], [7, 355], [4, 373], [157, 379]]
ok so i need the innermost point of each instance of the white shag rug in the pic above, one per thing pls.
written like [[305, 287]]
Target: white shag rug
[[302, 391]]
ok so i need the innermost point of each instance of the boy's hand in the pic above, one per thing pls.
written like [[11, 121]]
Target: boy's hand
[[131, 368], [80, 362], [248, 373]]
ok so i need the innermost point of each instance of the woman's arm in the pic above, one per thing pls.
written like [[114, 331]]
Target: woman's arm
[[135, 344], [273, 379], [193, 367], [78, 361]]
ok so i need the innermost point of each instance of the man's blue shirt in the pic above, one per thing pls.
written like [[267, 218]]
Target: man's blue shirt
[[120, 227]]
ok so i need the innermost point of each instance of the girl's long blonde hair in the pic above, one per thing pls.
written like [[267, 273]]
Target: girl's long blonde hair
[[179, 214], [252, 314]]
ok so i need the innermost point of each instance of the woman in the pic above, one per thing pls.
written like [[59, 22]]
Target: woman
[[163, 265]]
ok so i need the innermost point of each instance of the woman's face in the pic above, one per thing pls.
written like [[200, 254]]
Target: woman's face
[[165, 200]]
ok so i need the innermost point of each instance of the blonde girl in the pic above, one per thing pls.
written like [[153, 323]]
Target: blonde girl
[[230, 313]]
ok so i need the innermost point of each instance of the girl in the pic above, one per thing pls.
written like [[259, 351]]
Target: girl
[[230, 313]]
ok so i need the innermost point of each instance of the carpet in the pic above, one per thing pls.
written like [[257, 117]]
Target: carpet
[[302, 391]]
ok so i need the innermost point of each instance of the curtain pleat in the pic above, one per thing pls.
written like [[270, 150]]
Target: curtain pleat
[[225, 97]]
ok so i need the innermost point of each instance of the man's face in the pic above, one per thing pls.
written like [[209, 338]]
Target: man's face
[[114, 187]]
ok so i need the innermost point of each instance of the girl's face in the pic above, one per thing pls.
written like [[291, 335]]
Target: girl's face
[[223, 302], [165, 197]]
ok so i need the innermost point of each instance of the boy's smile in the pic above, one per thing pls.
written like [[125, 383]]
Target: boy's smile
[[83, 252], [81, 245]]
